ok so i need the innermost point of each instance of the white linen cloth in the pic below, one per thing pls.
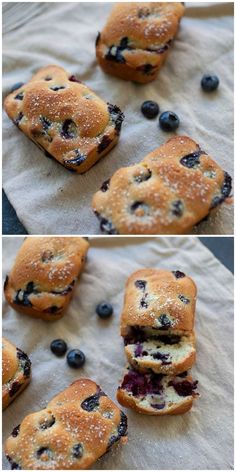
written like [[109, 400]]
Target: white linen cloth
[[48, 198], [201, 439]]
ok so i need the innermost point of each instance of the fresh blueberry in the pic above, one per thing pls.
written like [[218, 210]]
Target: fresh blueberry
[[169, 121], [210, 83], [104, 310], [75, 358], [58, 347], [150, 109]]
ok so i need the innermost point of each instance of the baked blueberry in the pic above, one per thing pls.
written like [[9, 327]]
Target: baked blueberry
[[75, 358], [169, 121], [58, 347], [178, 274], [209, 83], [16, 431], [105, 186], [150, 109], [104, 310], [77, 451]]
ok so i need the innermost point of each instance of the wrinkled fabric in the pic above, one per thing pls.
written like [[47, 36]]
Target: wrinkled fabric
[[48, 198], [201, 439]]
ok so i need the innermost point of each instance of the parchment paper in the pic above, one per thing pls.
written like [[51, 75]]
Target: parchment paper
[[48, 198], [200, 439]]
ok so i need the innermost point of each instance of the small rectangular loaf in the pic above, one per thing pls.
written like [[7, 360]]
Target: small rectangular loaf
[[64, 118], [16, 372], [135, 41], [44, 274], [172, 189], [78, 426]]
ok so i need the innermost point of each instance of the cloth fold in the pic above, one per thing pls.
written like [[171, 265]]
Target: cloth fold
[[201, 439], [50, 200]]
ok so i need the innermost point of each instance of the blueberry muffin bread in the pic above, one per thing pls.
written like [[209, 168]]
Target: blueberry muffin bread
[[65, 118], [77, 427], [157, 394], [171, 190], [44, 274], [16, 372], [136, 39], [157, 321]]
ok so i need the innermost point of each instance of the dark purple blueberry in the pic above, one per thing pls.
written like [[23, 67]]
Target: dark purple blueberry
[[55, 88], [53, 309], [105, 225], [105, 186], [169, 121], [48, 423], [169, 339], [158, 406], [117, 116], [184, 388], [192, 160], [44, 450], [69, 129], [16, 431], [15, 387], [145, 175], [25, 362], [162, 49], [97, 39], [161, 357], [147, 69], [73, 78], [47, 256], [184, 374], [77, 451], [184, 299], [143, 301], [104, 310], [150, 109], [141, 384], [6, 282], [164, 321], [91, 403], [105, 142], [138, 350], [115, 53], [18, 119], [177, 208], [21, 297], [46, 123], [47, 78], [19, 96], [14, 465], [77, 160], [209, 83], [139, 205], [225, 191], [122, 428], [75, 358], [58, 347], [16, 86], [141, 284], [178, 274]]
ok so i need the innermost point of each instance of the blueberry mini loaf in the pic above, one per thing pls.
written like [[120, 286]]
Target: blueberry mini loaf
[[136, 39], [157, 324], [16, 372], [65, 118], [77, 427], [44, 274], [171, 190]]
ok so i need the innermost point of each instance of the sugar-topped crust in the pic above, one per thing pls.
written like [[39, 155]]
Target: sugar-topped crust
[[171, 190], [76, 428], [65, 118], [44, 274], [159, 299], [136, 39], [16, 372]]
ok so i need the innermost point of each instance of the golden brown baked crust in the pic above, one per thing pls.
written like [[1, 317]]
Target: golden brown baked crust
[[170, 191], [45, 271], [166, 402], [135, 41], [77, 427], [16, 372], [65, 118], [159, 299]]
